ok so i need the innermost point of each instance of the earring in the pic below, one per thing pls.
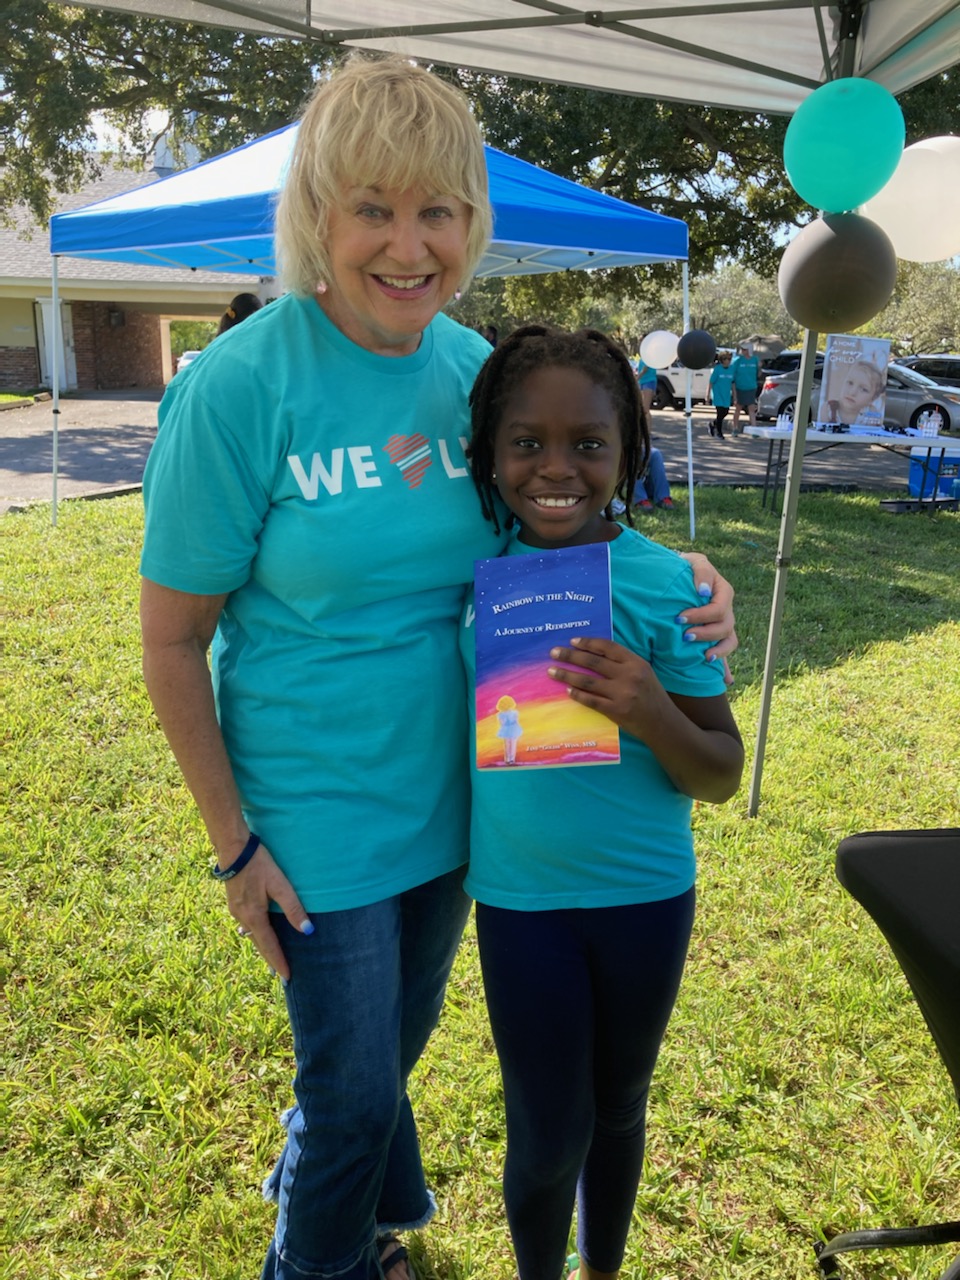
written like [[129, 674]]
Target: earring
[[322, 287], [493, 476], [457, 296]]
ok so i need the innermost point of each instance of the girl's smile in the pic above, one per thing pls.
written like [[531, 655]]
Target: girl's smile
[[558, 458]]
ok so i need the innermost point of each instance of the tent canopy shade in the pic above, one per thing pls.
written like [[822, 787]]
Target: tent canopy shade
[[218, 216], [755, 55]]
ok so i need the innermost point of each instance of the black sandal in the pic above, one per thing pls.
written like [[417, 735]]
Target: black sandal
[[392, 1252]]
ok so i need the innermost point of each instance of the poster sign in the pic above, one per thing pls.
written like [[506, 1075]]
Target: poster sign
[[854, 384]]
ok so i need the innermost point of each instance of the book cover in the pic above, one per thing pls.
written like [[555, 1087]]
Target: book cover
[[525, 605]]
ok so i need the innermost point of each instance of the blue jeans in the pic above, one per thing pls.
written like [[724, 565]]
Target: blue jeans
[[364, 994], [653, 484], [579, 1001]]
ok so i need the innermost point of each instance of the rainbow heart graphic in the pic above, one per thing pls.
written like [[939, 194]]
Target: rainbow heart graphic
[[412, 455]]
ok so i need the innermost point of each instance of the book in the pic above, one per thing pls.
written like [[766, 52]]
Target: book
[[525, 605]]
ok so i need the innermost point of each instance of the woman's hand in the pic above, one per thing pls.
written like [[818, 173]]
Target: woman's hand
[[249, 894], [714, 620]]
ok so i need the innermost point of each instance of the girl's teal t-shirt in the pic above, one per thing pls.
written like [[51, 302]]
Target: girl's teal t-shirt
[[599, 835], [326, 490]]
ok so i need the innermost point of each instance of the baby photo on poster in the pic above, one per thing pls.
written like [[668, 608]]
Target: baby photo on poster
[[525, 605], [854, 385]]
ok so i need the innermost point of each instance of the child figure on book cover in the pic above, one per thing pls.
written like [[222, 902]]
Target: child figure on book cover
[[584, 877], [510, 729]]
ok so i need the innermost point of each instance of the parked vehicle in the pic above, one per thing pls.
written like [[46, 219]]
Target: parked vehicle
[[943, 369], [671, 392], [187, 358], [908, 395], [785, 362]]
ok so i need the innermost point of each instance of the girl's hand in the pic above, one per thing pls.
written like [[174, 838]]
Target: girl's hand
[[695, 740], [613, 680], [713, 620], [249, 895]]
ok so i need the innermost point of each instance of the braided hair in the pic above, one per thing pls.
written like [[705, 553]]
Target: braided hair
[[538, 346]]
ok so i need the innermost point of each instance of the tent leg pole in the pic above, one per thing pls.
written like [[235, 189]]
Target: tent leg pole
[[788, 520], [685, 274], [55, 345]]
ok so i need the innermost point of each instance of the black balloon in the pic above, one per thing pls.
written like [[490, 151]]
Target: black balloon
[[697, 349], [837, 273]]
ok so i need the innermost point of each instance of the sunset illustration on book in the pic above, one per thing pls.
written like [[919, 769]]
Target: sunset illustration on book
[[525, 605]]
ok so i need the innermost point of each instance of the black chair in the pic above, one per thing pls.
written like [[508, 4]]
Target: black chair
[[909, 882]]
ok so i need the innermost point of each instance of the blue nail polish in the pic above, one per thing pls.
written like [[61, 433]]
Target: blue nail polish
[[703, 591], [689, 635], [307, 927], [713, 657], [682, 619]]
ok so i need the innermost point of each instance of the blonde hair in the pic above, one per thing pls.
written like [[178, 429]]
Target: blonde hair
[[878, 377], [378, 122]]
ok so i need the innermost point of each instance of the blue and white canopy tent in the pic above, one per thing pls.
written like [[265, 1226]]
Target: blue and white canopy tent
[[218, 216]]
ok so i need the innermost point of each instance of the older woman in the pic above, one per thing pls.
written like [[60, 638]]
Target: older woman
[[309, 511]]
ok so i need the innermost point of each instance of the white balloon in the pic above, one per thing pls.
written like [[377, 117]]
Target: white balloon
[[659, 349], [918, 206]]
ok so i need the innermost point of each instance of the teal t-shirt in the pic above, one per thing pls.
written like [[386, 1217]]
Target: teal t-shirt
[[604, 835], [325, 489], [746, 373], [721, 383]]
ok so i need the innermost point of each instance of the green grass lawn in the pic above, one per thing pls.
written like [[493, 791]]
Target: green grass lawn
[[146, 1053]]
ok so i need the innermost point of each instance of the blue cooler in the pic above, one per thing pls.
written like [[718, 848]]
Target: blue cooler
[[949, 472]]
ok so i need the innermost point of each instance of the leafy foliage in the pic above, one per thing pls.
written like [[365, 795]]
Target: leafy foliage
[[190, 335], [60, 65]]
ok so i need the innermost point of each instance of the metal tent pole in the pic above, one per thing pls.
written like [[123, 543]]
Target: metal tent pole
[[788, 519], [55, 344], [689, 406]]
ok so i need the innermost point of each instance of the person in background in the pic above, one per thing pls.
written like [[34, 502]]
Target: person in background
[[241, 308], [647, 380], [309, 510], [489, 331], [653, 488], [584, 877], [721, 392], [745, 368]]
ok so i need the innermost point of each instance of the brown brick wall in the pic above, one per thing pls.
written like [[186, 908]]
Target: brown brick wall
[[112, 357], [19, 368]]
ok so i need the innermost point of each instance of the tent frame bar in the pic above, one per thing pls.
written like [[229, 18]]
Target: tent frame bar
[[788, 521]]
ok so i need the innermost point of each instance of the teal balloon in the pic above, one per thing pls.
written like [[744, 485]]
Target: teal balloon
[[843, 144]]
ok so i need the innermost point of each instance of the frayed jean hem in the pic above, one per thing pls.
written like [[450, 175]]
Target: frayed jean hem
[[387, 1228]]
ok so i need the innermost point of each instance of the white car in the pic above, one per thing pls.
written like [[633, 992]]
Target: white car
[[188, 357]]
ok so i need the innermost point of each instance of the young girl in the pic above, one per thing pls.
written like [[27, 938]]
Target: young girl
[[584, 876]]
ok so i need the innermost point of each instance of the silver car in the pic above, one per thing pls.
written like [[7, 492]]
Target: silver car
[[908, 395]]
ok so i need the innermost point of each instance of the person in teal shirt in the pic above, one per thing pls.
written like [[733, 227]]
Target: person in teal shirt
[[584, 876], [721, 392], [746, 382]]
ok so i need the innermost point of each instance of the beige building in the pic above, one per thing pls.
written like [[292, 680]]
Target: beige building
[[115, 317]]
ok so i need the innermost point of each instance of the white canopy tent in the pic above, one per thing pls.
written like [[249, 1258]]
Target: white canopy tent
[[757, 55], [761, 55]]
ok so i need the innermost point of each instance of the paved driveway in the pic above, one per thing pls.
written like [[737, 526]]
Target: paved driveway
[[105, 437]]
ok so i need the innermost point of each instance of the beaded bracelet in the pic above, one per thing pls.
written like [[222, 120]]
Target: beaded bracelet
[[246, 853]]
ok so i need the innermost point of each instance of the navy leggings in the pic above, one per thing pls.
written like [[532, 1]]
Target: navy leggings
[[579, 1001]]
